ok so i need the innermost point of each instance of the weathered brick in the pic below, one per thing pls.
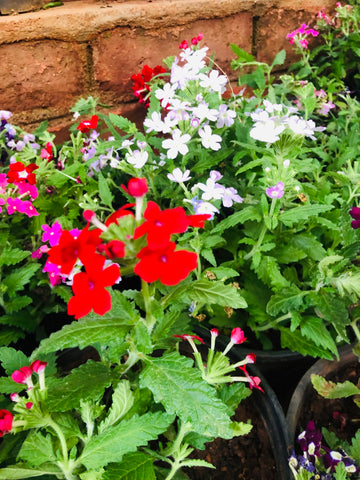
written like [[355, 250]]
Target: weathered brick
[[124, 51], [41, 75]]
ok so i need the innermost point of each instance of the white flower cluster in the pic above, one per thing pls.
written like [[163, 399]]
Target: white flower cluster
[[269, 123]]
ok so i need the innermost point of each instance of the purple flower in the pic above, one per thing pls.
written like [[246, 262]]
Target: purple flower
[[52, 234], [355, 214], [310, 440], [277, 191]]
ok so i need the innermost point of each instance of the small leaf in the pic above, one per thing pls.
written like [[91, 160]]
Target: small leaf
[[288, 298], [37, 449], [12, 359], [11, 256], [301, 213], [279, 58], [122, 401], [21, 471], [333, 390], [104, 191]]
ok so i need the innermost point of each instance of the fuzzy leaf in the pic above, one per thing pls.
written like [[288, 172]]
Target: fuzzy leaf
[[16, 281], [333, 390], [111, 445], [248, 213], [122, 123], [122, 401], [216, 292], [104, 191], [134, 466], [302, 212], [12, 359], [179, 386], [8, 386], [87, 382], [20, 471], [289, 298], [93, 329], [37, 449], [12, 256], [298, 343]]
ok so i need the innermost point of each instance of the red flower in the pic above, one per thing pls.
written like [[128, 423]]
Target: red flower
[[184, 45], [165, 264], [18, 172], [254, 382], [137, 187], [88, 125], [37, 366], [119, 213], [198, 221], [160, 225], [113, 249], [6, 420], [89, 287], [193, 337], [237, 336], [69, 249], [141, 87]]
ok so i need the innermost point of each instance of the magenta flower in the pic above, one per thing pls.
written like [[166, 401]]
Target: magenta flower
[[237, 336], [28, 208], [52, 234], [355, 214], [277, 191], [23, 376], [13, 205]]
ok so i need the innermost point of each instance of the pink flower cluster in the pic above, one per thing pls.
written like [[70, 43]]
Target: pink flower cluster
[[17, 184], [300, 35]]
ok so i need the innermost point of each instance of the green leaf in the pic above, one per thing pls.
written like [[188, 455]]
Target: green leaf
[[16, 281], [310, 245], [134, 466], [279, 58], [8, 386], [37, 449], [12, 359], [21, 471], [298, 343], [18, 303], [315, 330], [248, 213], [340, 472], [122, 123], [243, 56], [179, 386], [354, 450], [104, 191], [87, 382], [288, 298], [11, 256], [216, 292], [333, 390], [302, 212], [111, 445], [122, 401], [93, 329]]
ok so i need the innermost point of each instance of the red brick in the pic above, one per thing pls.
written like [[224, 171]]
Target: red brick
[[124, 51], [40, 75]]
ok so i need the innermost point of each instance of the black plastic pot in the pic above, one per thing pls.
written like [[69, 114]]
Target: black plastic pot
[[305, 387], [268, 409]]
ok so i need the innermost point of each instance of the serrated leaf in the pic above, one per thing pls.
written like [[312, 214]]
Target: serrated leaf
[[8, 386], [223, 273], [12, 256], [179, 386], [122, 401], [12, 359], [21, 471], [134, 466], [17, 303], [122, 123], [111, 445], [93, 329], [314, 329], [288, 298], [10, 335], [87, 382], [104, 191], [37, 449], [354, 450], [298, 343], [208, 254], [196, 463], [248, 213], [216, 292], [302, 212], [332, 390], [16, 281], [309, 245]]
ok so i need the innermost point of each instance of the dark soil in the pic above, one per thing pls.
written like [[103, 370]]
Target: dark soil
[[248, 457]]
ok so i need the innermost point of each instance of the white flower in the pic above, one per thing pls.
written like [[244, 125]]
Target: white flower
[[178, 110], [176, 144], [230, 196], [203, 111], [208, 139], [225, 116], [165, 94], [206, 208], [178, 176], [272, 107], [127, 143], [214, 81], [212, 190], [267, 131], [137, 158], [154, 123], [303, 127]]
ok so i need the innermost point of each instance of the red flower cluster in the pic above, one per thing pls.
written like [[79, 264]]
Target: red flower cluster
[[88, 125], [141, 87], [6, 421], [159, 260], [194, 41], [18, 172]]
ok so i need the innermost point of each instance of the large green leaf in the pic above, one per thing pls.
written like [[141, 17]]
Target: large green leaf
[[288, 298], [122, 401], [315, 330], [302, 212], [216, 293], [37, 449], [248, 213], [12, 359], [21, 471], [104, 191], [87, 382], [179, 386], [111, 445], [93, 328], [17, 280], [11, 256], [298, 343], [134, 466]]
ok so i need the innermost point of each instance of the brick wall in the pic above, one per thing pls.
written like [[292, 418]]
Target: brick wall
[[50, 58]]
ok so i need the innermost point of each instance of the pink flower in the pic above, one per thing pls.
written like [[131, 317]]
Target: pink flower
[[25, 187], [54, 273], [37, 366], [237, 336], [214, 332], [28, 208], [254, 382], [6, 420], [14, 205], [52, 234], [2, 202], [277, 191], [23, 375], [28, 405], [192, 337]]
